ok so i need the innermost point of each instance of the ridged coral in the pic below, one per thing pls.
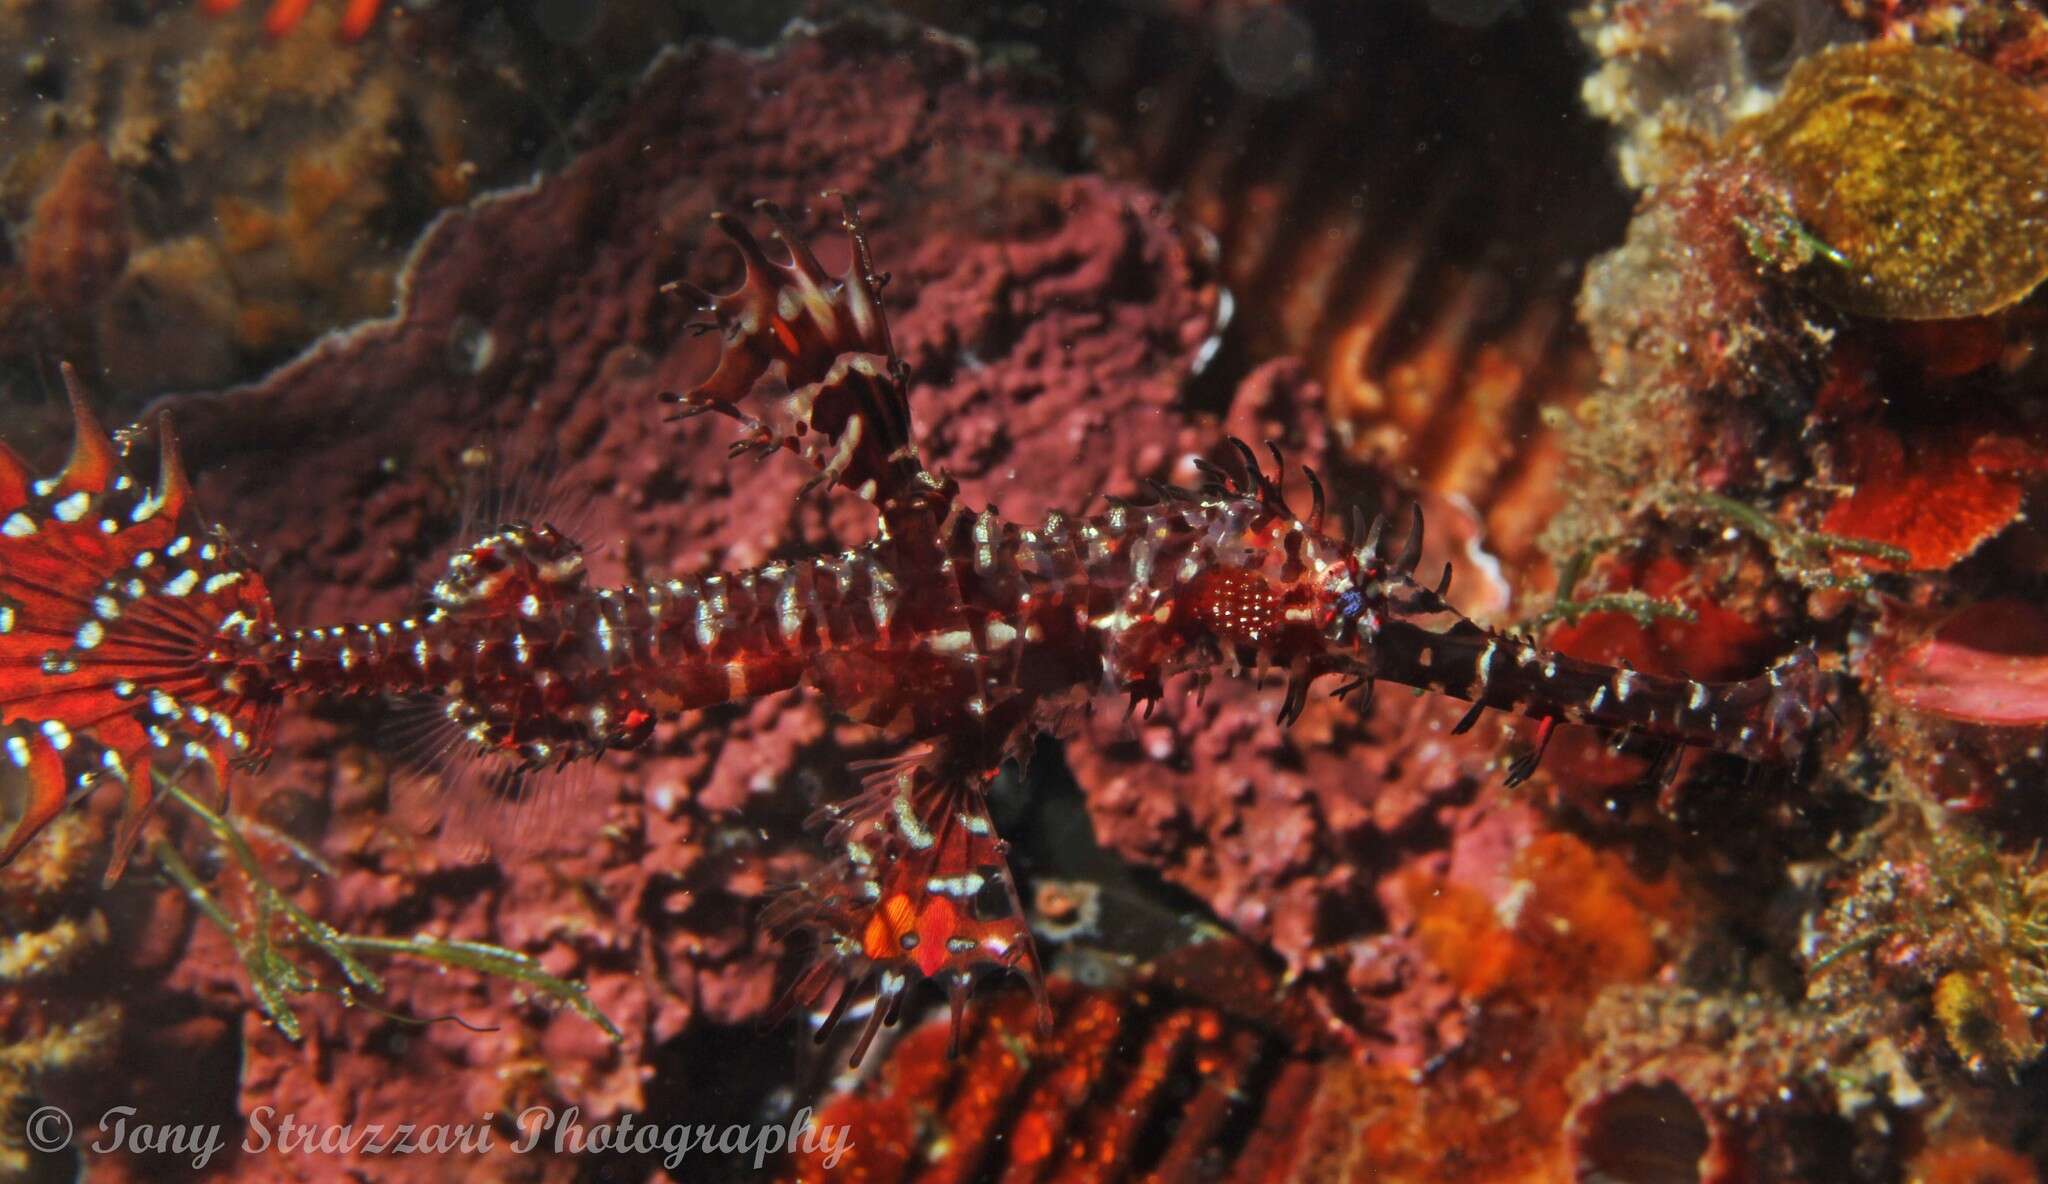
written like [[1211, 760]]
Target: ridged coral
[[1420, 265], [284, 16]]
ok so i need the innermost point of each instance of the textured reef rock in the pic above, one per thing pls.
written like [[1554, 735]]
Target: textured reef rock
[[1675, 75], [1829, 307], [190, 199], [51, 1031]]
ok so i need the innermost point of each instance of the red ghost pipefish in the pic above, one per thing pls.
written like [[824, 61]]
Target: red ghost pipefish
[[130, 638]]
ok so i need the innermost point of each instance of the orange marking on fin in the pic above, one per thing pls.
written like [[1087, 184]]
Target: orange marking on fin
[[936, 924]]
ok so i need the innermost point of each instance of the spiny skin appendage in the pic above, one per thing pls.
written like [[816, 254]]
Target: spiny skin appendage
[[957, 632]]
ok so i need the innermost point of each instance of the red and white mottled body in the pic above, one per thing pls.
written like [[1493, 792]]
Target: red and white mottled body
[[956, 632]]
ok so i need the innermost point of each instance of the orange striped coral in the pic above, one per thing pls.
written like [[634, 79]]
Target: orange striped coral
[[285, 15]]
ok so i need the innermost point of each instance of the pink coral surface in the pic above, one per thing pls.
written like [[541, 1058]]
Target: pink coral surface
[[1987, 664]]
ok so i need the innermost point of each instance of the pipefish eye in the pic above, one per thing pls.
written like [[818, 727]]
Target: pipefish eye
[[1345, 609]]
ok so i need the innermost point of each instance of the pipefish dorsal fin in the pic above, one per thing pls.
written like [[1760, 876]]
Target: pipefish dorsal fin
[[810, 358]]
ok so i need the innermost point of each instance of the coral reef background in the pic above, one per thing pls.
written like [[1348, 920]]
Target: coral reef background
[[1688, 358]]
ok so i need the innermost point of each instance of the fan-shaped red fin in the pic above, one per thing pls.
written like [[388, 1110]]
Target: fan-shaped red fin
[[128, 639], [93, 461], [41, 768], [13, 477], [173, 487]]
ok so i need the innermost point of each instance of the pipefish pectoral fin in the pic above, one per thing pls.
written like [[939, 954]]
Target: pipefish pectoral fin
[[920, 888]]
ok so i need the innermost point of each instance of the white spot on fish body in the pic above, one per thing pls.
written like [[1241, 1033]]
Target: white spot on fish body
[[956, 641], [789, 612], [710, 611], [906, 822], [882, 597], [964, 885]]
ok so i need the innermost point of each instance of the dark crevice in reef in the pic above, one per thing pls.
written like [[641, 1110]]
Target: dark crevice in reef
[[1406, 132]]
